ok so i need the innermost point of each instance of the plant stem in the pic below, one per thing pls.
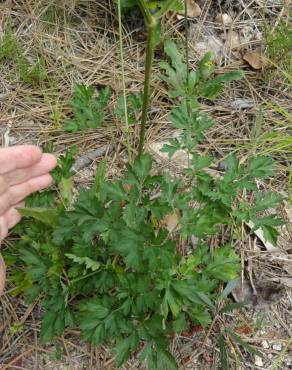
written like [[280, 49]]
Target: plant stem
[[148, 73], [124, 82], [146, 13], [164, 8], [187, 66], [187, 42]]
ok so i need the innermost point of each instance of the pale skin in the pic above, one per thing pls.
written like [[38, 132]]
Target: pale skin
[[24, 169]]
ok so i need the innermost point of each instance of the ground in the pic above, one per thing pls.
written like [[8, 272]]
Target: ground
[[79, 42]]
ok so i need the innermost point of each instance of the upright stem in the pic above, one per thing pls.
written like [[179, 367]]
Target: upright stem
[[187, 42], [148, 72], [187, 65], [124, 82]]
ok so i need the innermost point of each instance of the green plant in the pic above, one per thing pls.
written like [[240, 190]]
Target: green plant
[[111, 265], [9, 46], [88, 111], [33, 74], [54, 14], [113, 254], [62, 176], [11, 50], [279, 44], [134, 105], [127, 4]]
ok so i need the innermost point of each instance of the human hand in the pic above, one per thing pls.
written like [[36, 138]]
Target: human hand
[[24, 169]]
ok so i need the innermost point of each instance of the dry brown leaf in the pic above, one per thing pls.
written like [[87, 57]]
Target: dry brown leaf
[[171, 221], [193, 10], [244, 329], [254, 59], [127, 187], [191, 331]]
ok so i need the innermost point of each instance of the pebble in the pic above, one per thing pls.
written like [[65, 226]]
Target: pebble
[[242, 103], [265, 344], [223, 19], [210, 43], [288, 361], [277, 347], [232, 39], [258, 361]]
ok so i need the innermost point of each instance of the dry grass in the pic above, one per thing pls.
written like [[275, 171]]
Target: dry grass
[[79, 43]]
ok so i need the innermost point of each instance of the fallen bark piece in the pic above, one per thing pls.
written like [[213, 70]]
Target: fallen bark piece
[[263, 295], [86, 159]]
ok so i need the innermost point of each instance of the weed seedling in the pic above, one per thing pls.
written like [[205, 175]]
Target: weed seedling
[[9, 46], [11, 50], [279, 45], [88, 110], [134, 105]]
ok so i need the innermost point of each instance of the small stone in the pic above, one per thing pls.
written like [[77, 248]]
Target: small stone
[[242, 103], [277, 347], [265, 344], [210, 43], [258, 35], [224, 19], [234, 39], [258, 361], [248, 33], [288, 361]]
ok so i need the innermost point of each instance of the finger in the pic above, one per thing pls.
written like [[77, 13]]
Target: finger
[[3, 227], [13, 216], [19, 192], [46, 164], [20, 156], [2, 274], [9, 219], [3, 184]]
